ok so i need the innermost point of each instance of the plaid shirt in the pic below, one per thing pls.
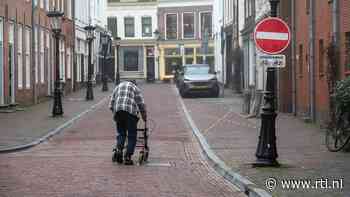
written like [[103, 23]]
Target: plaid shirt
[[127, 97]]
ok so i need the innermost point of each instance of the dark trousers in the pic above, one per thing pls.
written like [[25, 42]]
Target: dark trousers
[[126, 127]]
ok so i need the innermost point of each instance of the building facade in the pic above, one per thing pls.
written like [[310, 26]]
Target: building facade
[[186, 30], [134, 23]]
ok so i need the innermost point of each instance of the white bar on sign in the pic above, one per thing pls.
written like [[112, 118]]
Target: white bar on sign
[[272, 35]]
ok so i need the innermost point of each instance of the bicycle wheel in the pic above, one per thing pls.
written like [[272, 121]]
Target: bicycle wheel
[[338, 137]]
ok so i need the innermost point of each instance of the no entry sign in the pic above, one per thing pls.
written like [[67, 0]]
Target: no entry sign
[[272, 35]]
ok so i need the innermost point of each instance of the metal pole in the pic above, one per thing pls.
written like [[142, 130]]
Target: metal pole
[[266, 152], [89, 92], [117, 80], [57, 106], [104, 77]]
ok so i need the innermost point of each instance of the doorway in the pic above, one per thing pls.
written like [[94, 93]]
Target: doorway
[[150, 64]]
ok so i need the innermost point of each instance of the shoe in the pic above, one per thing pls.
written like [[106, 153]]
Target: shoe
[[128, 161], [117, 156]]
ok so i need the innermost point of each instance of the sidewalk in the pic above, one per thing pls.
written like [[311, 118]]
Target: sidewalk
[[27, 128], [301, 148]]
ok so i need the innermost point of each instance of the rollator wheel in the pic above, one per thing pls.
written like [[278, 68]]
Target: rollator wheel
[[146, 156], [114, 157], [141, 158]]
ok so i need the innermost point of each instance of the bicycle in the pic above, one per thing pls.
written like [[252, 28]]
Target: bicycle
[[338, 135]]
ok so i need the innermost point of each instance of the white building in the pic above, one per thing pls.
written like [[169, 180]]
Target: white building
[[134, 23], [88, 13]]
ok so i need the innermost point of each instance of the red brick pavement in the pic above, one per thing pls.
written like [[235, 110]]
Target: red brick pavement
[[301, 148], [78, 161], [23, 127]]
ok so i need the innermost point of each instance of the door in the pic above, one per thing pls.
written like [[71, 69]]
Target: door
[[150, 69], [1, 62], [11, 63]]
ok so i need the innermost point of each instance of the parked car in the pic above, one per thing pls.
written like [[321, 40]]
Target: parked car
[[197, 78]]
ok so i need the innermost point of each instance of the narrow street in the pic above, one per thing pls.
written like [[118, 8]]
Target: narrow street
[[77, 162]]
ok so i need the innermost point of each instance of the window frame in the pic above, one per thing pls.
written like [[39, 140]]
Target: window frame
[[200, 23], [183, 25], [133, 27], [177, 25], [142, 26]]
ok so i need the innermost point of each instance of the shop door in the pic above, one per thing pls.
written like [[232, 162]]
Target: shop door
[[150, 69]]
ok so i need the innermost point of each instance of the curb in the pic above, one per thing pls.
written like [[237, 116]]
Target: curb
[[248, 187], [53, 131]]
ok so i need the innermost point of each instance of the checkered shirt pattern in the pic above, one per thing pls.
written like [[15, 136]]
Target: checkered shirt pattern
[[127, 97]]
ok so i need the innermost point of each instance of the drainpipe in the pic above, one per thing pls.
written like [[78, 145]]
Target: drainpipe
[[335, 31], [294, 62], [74, 70], [35, 100], [312, 61]]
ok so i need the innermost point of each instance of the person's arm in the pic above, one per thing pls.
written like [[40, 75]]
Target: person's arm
[[141, 104], [112, 99]]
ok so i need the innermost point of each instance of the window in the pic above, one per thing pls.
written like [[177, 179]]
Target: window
[[131, 59], [69, 9], [27, 57], [36, 35], [42, 69], [112, 26], [347, 51], [301, 62], [146, 26], [129, 27], [20, 57], [62, 61], [188, 25], [68, 63], [171, 26], [307, 6], [206, 23], [321, 56]]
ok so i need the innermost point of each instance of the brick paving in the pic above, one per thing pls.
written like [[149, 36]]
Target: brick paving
[[77, 162], [23, 127], [301, 147]]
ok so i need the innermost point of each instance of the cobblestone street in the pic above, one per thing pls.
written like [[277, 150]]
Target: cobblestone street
[[77, 162]]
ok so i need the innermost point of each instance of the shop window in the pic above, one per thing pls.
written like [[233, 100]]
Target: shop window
[[146, 26], [129, 27], [171, 26], [206, 23], [188, 25], [189, 60], [172, 51], [189, 51], [171, 63], [131, 60]]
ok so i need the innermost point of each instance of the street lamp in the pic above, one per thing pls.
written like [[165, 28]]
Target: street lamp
[[156, 34], [117, 78], [266, 152], [56, 22], [90, 37], [104, 42]]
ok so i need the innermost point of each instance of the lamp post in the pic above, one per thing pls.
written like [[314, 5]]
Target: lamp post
[[266, 152], [56, 22], [117, 78], [104, 42], [156, 34], [90, 37]]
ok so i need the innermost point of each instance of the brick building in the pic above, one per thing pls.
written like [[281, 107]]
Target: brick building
[[317, 23], [27, 50]]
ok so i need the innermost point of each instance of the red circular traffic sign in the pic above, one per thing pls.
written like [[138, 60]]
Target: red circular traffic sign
[[272, 35]]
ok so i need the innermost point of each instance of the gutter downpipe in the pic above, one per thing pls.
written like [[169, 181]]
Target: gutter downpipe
[[294, 82], [33, 77], [312, 109]]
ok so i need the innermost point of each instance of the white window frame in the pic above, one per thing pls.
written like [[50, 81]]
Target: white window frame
[[20, 56], [62, 61], [42, 58], [27, 56], [200, 22], [177, 24], [194, 25], [69, 76], [36, 35]]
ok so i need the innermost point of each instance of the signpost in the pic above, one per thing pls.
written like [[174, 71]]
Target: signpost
[[272, 35]]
